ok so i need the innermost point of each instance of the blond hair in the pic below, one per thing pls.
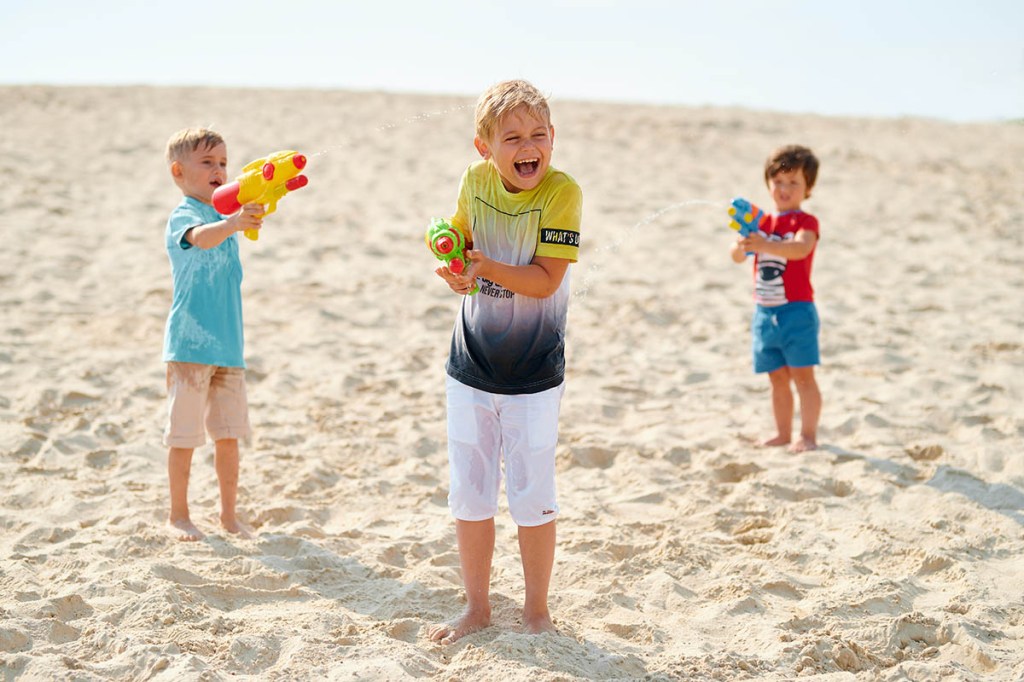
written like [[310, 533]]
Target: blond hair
[[188, 140], [503, 98]]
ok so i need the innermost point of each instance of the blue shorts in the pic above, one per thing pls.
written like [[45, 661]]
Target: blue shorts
[[785, 336]]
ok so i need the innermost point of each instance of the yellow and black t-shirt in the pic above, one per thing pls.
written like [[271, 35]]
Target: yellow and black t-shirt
[[505, 342]]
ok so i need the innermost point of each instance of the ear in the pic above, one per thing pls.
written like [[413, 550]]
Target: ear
[[551, 131], [176, 170], [481, 147]]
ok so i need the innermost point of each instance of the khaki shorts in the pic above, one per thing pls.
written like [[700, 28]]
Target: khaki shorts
[[205, 394]]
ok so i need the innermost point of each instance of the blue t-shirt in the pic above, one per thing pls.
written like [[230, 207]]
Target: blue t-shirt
[[205, 322]]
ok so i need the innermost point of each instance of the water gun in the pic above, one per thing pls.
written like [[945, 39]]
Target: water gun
[[448, 244], [263, 181], [746, 218]]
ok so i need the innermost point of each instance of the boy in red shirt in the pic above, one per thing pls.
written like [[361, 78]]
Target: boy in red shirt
[[785, 324]]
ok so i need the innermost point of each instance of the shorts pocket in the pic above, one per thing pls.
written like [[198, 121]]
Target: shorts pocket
[[462, 427], [542, 414]]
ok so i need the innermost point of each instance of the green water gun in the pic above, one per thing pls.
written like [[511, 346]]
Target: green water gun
[[448, 244]]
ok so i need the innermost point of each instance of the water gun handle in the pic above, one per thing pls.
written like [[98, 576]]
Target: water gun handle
[[271, 197]]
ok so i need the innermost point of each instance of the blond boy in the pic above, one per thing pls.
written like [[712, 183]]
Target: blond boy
[[203, 339], [506, 366]]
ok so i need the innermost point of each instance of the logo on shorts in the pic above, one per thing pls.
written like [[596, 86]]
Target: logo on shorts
[[547, 511]]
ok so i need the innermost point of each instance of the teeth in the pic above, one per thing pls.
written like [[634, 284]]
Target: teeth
[[528, 161]]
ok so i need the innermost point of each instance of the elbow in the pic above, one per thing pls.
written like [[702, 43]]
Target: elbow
[[545, 292]]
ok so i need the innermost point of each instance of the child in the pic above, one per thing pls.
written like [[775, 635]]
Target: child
[[785, 323], [203, 336], [507, 363]]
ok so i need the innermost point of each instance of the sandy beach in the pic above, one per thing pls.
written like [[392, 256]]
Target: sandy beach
[[685, 551]]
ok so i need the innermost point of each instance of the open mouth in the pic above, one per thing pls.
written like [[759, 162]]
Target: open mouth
[[527, 167]]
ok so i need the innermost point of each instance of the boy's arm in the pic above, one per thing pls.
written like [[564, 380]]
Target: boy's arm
[[799, 248], [737, 251], [539, 279], [211, 235]]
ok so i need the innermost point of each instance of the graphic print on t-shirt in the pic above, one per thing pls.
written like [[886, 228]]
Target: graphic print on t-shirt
[[769, 288], [505, 237]]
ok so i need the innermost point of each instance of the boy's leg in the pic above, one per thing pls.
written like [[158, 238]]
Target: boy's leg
[[810, 407], [765, 336], [782, 407], [186, 394], [225, 460], [179, 465], [474, 446], [798, 330], [476, 552], [537, 547], [530, 437], [227, 420]]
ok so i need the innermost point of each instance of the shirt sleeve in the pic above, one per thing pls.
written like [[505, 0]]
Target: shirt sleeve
[[809, 223], [559, 234], [462, 220], [184, 218]]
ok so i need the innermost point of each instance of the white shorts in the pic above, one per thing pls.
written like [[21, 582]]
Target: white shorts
[[485, 427]]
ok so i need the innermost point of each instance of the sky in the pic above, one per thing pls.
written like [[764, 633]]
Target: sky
[[946, 59]]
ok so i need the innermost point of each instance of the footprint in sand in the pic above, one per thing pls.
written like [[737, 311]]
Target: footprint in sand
[[925, 453]]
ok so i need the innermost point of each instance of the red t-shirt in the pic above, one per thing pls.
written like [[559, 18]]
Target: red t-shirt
[[776, 280]]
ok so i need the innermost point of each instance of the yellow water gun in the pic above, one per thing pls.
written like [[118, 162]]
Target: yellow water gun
[[263, 181]]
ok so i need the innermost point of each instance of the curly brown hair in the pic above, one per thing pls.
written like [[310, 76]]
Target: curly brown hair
[[789, 158]]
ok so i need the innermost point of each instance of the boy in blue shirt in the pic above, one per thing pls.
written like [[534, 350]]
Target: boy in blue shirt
[[203, 337]]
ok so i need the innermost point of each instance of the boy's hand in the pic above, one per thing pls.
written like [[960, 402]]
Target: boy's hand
[[754, 242], [249, 218], [464, 283], [460, 284], [475, 262]]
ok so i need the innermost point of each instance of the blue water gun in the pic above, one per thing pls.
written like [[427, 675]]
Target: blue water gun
[[746, 218]]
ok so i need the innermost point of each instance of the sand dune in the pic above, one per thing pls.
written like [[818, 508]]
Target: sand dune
[[895, 552]]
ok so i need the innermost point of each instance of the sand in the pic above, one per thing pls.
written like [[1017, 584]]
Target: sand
[[894, 552]]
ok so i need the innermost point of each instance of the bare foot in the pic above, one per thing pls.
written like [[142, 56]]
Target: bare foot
[[804, 444], [468, 623], [184, 530], [535, 625], [240, 529], [774, 442]]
